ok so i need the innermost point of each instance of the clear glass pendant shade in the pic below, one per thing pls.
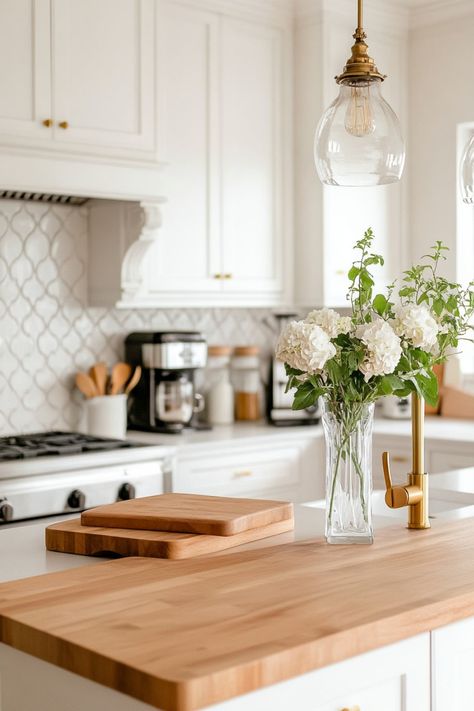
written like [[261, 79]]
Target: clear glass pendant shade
[[358, 141], [466, 173]]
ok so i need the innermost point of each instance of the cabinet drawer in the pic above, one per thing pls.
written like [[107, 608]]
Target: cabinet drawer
[[445, 461], [252, 471]]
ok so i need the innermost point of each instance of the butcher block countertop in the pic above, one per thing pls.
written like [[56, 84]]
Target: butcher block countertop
[[182, 635]]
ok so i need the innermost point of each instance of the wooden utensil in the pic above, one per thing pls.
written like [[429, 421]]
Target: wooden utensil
[[86, 385], [189, 513], [71, 537], [134, 380], [99, 374], [120, 374]]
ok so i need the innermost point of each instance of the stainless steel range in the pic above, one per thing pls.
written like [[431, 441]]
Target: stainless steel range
[[51, 473]]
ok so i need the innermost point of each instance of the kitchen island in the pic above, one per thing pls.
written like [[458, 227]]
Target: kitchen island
[[287, 621]]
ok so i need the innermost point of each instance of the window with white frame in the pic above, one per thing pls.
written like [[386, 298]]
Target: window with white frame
[[464, 242]]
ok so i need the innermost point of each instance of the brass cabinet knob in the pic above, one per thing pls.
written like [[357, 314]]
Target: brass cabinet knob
[[218, 276], [47, 122], [227, 276], [63, 124]]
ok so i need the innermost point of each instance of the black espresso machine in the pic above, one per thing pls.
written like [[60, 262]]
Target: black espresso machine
[[165, 399]]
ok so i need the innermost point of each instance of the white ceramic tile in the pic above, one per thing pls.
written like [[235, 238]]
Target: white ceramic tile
[[47, 331]]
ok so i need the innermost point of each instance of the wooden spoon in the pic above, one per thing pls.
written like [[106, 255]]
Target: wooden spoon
[[121, 372], [133, 382], [99, 374], [86, 385]]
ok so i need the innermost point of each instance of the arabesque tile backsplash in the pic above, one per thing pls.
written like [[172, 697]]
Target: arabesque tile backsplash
[[47, 330]]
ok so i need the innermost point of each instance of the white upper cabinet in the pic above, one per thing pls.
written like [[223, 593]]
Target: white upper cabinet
[[77, 98], [103, 74], [221, 109], [251, 171], [25, 96], [187, 253]]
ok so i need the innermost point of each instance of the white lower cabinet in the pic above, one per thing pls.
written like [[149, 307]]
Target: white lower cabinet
[[393, 678], [453, 667], [290, 469]]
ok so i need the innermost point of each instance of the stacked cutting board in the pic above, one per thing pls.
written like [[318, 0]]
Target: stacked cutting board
[[170, 526]]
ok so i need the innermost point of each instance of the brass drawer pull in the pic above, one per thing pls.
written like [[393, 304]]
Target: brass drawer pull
[[47, 122], [218, 276], [63, 124], [227, 276], [242, 474]]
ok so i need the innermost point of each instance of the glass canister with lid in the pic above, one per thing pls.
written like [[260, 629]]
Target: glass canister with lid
[[246, 380], [220, 393]]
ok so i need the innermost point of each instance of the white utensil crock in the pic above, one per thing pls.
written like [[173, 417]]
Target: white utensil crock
[[107, 416]]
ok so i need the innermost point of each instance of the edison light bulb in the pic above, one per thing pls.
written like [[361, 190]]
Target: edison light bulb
[[359, 120], [358, 141]]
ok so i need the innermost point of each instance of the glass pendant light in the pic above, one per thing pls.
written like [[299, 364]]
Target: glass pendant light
[[358, 141], [466, 173]]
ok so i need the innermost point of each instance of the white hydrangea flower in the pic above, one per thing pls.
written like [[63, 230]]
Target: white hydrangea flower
[[330, 321], [305, 346], [416, 323], [383, 348]]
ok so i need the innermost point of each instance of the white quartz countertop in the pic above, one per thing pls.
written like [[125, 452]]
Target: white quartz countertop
[[436, 428]]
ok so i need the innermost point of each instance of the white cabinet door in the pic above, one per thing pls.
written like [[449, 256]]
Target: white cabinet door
[[452, 666], [393, 678], [251, 162], [103, 76], [188, 253], [25, 78]]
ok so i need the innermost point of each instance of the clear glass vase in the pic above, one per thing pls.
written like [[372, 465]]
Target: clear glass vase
[[348, 432]]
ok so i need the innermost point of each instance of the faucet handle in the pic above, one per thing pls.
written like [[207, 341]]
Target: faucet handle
[[399, 495]]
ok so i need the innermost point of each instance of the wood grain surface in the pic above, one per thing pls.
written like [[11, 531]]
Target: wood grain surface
[[72, 537], [182, 635], [189, 513]]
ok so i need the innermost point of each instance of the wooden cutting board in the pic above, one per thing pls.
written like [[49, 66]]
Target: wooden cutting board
[[182, 635], [72, 537], [189, 513]]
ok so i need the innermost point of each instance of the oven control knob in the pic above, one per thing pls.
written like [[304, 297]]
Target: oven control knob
[[6, 511], [126, 492], [76, 499]]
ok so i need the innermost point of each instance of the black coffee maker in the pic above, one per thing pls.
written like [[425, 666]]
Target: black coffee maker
[[165, 400]]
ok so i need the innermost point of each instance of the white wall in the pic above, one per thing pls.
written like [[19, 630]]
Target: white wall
[[441, 97]]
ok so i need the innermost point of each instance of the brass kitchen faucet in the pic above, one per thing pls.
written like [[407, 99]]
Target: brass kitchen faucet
[[414, 493]]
